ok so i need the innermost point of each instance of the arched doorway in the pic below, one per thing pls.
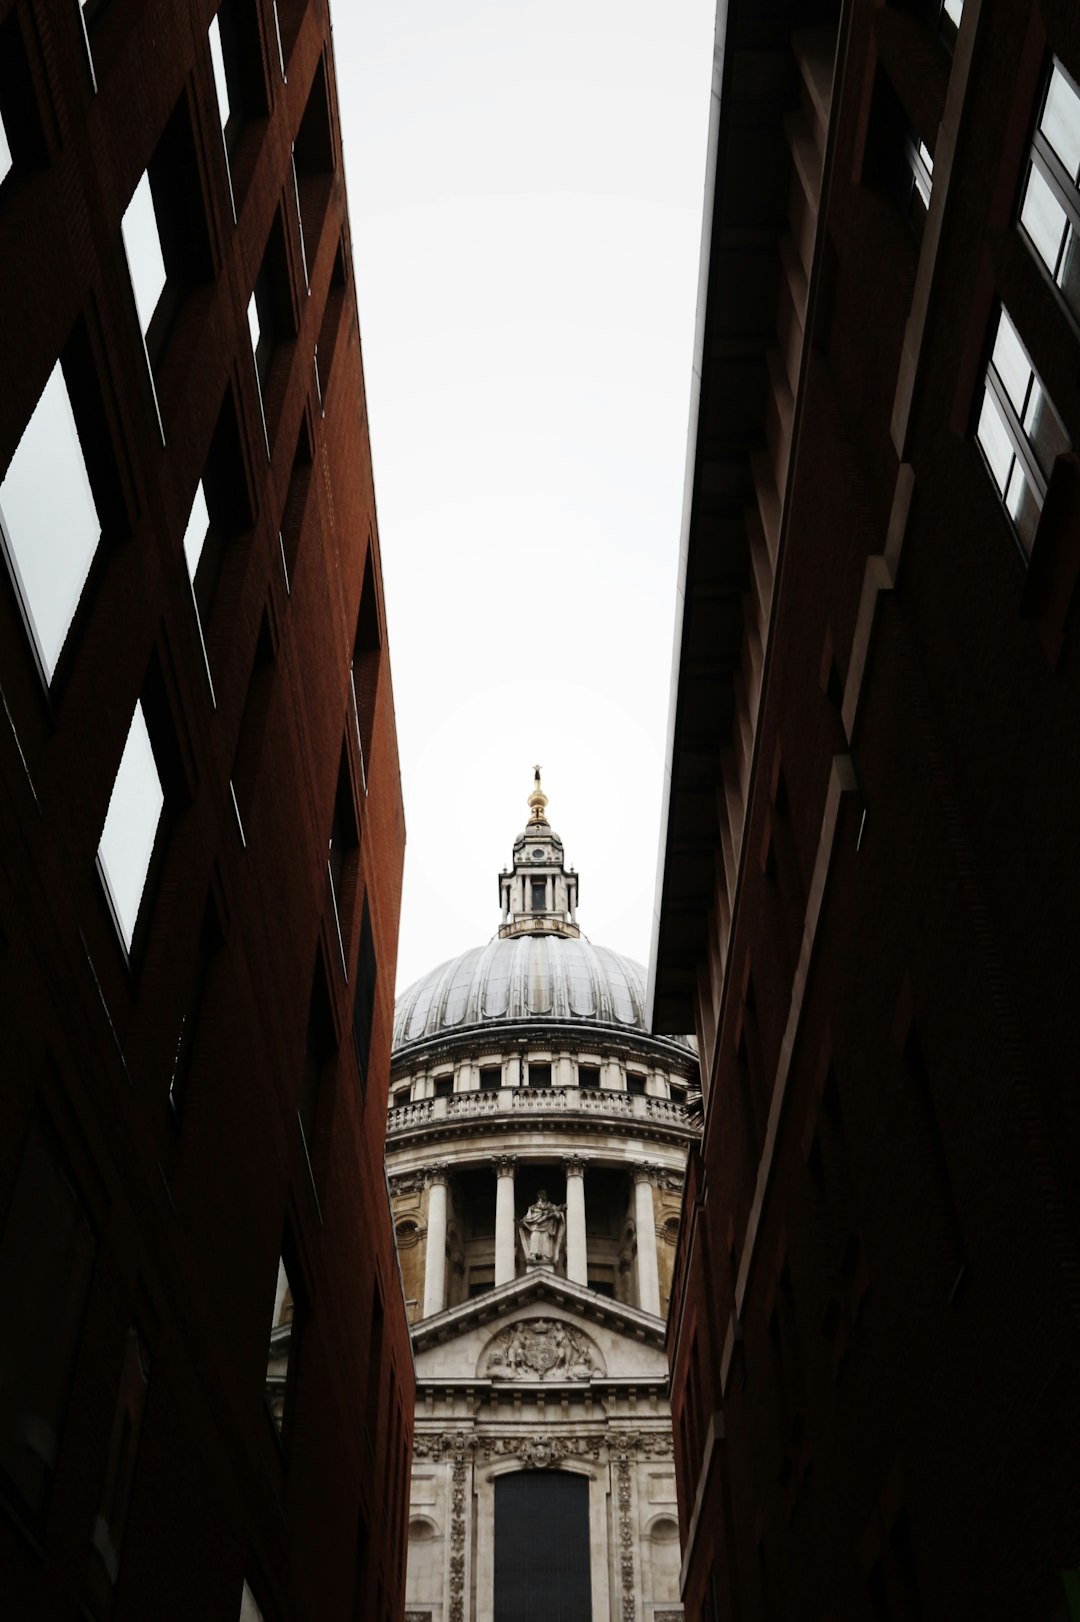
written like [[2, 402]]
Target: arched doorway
[[542, 1547]]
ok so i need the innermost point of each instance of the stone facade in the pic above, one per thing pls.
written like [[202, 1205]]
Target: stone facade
[[535, 1159]]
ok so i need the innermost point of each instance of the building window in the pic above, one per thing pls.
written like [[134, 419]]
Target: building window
[[142, 249], [677, 1093], [50, 523], [236, 56], [897, 157], [131, 826], [539, 895], [635, 1084], [588, 1075], [107, 1539], [539, 1075], [281, 1357], [401, 1095], [364, 1000], [1050, 211], [249, 1610], [490, 1079], [46, 1265], [1018, 431], [364, 675], [341, 857], [319, 1049], [444, 1086]]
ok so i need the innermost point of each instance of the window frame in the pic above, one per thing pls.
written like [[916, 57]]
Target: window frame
[[1064, 188], [1024, 449]]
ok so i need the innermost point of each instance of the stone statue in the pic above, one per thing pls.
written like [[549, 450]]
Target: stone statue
[[542, 1230]]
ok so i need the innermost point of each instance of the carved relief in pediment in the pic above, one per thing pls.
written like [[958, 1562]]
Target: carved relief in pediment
[[540, 1349]]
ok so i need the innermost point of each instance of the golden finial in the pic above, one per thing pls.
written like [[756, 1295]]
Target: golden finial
[[537, 799]]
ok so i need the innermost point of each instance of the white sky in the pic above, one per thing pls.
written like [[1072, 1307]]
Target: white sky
[[525, 189]]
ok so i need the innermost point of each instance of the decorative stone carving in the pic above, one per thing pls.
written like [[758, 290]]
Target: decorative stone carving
[[538, 1453], [537, 1348], [406, 1182], [542, 1230], [644, 1172], [505, 1165], [626, 1538], [670, 1181], [437, 1172]]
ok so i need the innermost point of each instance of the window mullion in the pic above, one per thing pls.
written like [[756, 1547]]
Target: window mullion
[[1015, 429], [1057, 177]]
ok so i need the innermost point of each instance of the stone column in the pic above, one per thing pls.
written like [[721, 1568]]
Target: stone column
[[577, 1259], [435, 1255], [648, 1274], [505, 1267]]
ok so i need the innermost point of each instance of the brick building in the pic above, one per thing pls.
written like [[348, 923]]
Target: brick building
[[205, 1370], [870, 865]]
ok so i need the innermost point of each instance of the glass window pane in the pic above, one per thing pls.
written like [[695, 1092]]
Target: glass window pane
[[997, 446], [1068, 276], [253, 325], [221, 82], [249, 1611], [1060, 121], [954, 10], [142, 246], [50, 521], [1014, 490], [1044, 220], [131, 824], [1047, 437], [1011, 363], [195, 535]]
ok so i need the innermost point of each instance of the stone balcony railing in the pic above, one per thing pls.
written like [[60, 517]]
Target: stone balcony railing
[[534, 1101]]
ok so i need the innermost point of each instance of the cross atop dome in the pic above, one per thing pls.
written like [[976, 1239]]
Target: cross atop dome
[[539, 892]]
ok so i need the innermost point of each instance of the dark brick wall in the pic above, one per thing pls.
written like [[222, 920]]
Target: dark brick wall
[[189, 1208], [897, 1427]]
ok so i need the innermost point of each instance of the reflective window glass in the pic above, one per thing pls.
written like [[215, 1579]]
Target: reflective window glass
[[50, 522], [131, 825], [142, 246]]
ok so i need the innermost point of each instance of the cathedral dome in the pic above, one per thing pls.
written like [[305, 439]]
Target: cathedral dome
[[526, 977]]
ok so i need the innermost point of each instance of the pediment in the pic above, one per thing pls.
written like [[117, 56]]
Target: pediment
[[541, 1330]]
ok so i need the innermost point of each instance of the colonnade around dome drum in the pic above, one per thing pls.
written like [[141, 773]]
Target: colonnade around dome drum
[[475, 1136]]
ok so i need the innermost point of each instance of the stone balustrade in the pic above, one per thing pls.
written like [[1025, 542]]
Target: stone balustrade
[[537, 1101]]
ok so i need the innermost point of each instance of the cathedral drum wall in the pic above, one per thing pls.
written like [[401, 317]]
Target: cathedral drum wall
[[536, 1145]]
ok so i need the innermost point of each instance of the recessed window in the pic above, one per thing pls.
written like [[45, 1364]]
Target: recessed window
[[249, 1610], [46, 1265], [107, 1539], [539, 895], [131, 825], [490, 1078], [364, 1000], [1018, 431], [1050, 211], [50, 521], [340, 860], [635, 1084], [588, 1075], [271, 321], [142, 247], [319, 1049], [365, 668], [444, 1086], [897, 157], [281, 1357], [539, 1075]]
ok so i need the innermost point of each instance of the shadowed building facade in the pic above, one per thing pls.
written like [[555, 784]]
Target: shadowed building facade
[[869, 862], [205, 1371], [536, 1144]]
